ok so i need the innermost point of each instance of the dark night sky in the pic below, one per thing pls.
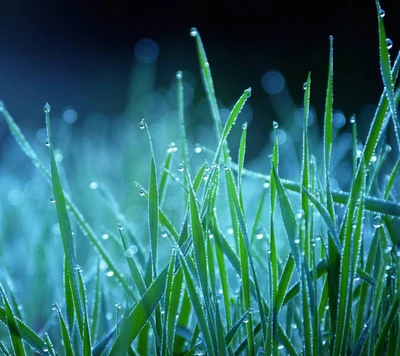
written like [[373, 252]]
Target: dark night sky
[[80, 53]]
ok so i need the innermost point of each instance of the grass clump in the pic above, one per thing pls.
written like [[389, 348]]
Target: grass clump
[[243, 263]]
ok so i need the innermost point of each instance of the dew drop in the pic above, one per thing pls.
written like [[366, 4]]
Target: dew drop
[[275, 125], [172, 147], [54, 306], [296, 241], [352, 119], [141, 192], [52, 199], [179, 74], [93, 185], [377, 221], [47, 142], [142, 124], [105, 236], [388, 148], [120, 226], [197, 148], [109, 273], [281, 347], [162, 310], [118, 306], [304, 85], [207, 167], [389, 43], [382, 13], [266, 185], [181, 167], [259, 236], [193, 32], [244, 126], [47, 108], [373, 159], [200, 349], [45, 349], [246, 320], [299, 214]]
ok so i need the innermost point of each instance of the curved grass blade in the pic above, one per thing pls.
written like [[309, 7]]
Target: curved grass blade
[[26, 333], [86, 341], [64, 333], [139, 314], [99, 348], [284, 281], [11, 321], [96, 306], [164, 177]]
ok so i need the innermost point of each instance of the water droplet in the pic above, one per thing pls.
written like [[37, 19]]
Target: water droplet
[[246, 320], [120, 226], [179, 74], [244, 126], [373, 159], [304, 85], [281, 347], [259, 236], [164, 233], [172, 147], [299, 214], [377, 221], [398, 253], [109, 273], [266, 185], [207, 167], [388, 249], [141, 192], [54, 306], [387, 268], [105, 236], [294, 326], [388, 148], [389, 43], [52, 199], [193, 32], [162, 311], [352, 119], [132, 250], [118, 306], [181, 167], [47, 142], [93, 185], [226, 166], [78, 268], [229, 231], [197, 148], [45, 349], [142, 124], [275, 125], [382, 13], [47, 108], [296, 241]]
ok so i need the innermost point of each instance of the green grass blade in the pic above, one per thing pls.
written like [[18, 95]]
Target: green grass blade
[[164, 176], [65, 227], [64, 333], [69, 299], [86, 341], [96, 306], [11, 321], [284, 281], [196, 303], [139, 314], [49, 345], [242, 151]]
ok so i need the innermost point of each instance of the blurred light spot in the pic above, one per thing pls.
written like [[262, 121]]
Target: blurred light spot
[[281, 135], [16, 197], [273, 82], [41, 135], [55, 229], [146, 51], [70, 116], [224, 114], [339, 120], [299, 117]]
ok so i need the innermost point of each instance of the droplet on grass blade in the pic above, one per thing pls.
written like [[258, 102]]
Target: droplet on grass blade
[[141, 192], [197, 148], [382, 13], [193, 32], [181, 167], [142, 124], [47, 108], [377, 221], [47, 142], [275, 125], [179, 74], [93, 185], [389, 43], [105, 236], [120, 226], [52, 199]]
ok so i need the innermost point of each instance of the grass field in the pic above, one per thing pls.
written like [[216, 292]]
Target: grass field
[[127, 237]]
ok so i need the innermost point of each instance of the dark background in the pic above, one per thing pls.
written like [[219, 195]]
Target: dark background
[[79, 54]]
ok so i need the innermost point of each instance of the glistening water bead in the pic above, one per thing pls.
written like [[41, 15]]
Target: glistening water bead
[[389, 43], [193, 32], [141, 124], [47, 108], [275, 125], [179, 74]]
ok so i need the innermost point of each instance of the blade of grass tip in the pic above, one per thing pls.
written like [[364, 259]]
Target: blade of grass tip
[[305, 171], [139, 314], [384, 45], [207, 81], [86, 341], [196, 303], [350, 255], [11, 321], [284, 281], [273, 257], [153, 207], [242, 151], [49, 345], [259, 212], [181, 118], [65, 226], [26, 333], [64, 333]]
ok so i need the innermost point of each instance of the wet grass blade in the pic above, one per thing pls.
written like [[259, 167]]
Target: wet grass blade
[[139, 314], [86, 341], [64, 333], [11, 321], [164, 177], [65, 228], [96, 306]]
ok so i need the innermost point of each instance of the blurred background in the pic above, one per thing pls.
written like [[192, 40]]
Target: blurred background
[[105, 65]]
